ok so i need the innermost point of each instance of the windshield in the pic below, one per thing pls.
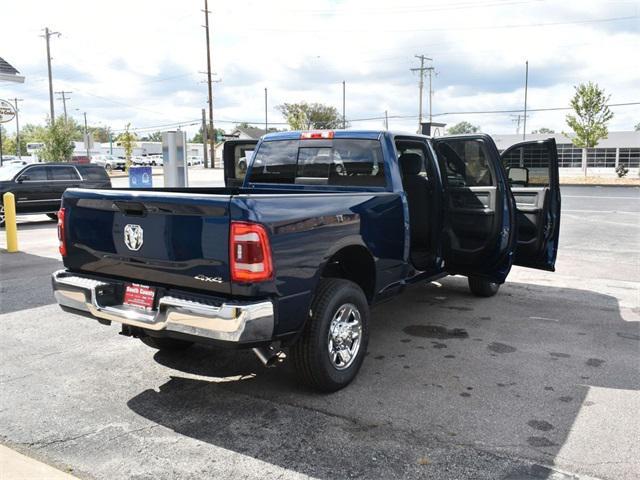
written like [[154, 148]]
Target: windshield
[[7, 172]]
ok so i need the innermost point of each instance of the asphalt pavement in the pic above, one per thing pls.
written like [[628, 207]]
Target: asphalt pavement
[[541, 381]]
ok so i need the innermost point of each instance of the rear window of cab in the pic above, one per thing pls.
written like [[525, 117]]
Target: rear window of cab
[[336, 162]]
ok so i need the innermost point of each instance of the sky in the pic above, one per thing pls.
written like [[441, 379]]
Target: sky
[[140, 62]]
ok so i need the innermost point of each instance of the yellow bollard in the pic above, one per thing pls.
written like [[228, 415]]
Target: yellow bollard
[[11, 226]]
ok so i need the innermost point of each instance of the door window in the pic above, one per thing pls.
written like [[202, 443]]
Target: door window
[[466, 162], [34, 174], [63, 173], [528, 165]]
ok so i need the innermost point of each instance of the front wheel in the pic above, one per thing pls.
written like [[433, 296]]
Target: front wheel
[[53, 216], [333, 344], [481, 287]]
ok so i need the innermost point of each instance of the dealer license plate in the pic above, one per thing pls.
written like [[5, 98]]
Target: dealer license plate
[[139, 296]]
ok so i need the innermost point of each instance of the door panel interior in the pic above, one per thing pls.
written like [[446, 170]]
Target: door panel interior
[[475, 183], [236, 156], [532, 168]]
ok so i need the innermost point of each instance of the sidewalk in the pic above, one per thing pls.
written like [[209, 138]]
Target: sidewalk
[[15, 466]]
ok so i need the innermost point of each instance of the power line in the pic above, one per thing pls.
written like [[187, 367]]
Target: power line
[[471, 27]]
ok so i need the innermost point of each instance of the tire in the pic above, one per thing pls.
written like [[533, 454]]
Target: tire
[[108, 167], [315, 366], [1, 215], [165, 343], [53, 216], [481, 287]]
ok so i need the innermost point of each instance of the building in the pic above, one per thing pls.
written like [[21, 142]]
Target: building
[[8, 73], [620, 148]]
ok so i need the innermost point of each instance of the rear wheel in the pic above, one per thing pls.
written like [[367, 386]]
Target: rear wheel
[[333, 344], [481, 287], [165, 343], [53, 216]]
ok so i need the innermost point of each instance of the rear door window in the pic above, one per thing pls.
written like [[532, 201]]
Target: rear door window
[[528, 165], [63, 174], [340, 162]]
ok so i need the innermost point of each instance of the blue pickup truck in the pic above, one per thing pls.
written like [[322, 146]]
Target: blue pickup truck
[[310, 230]]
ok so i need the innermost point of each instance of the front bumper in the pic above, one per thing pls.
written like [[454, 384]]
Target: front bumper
[[237, 322]]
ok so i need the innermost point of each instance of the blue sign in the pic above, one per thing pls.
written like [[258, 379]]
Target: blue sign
[[140, 177]]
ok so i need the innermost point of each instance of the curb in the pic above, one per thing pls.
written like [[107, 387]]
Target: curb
[[16, 465]]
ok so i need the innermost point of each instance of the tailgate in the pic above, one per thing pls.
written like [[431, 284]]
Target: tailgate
[[151, 237]]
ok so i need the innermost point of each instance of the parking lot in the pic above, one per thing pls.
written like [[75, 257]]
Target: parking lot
[[540, 381]]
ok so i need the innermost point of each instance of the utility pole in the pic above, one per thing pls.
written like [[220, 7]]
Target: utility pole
[[204, 137], [421, 85], [526, 88], [47, 35], [64, 99], [266, 120], [517, 119], [344, 105], [18, 149], [211, 130], [86, 136], [431, 71], [386, 120]]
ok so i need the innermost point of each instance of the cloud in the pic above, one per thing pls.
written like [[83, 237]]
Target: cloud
[[143, 67]]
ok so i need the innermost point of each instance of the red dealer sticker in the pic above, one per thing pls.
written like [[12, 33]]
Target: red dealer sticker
[[140, 296]]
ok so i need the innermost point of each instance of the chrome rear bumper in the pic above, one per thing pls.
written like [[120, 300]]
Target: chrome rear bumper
[[237, 322]]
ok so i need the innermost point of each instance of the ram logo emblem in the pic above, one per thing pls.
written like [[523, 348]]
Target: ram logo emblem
[[133, 237]]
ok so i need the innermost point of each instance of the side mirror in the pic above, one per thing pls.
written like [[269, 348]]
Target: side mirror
[[518, 176]]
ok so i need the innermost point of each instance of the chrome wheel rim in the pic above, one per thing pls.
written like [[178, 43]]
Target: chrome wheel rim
[[345, 335]]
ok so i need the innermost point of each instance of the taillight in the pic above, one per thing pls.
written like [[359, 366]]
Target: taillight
[[316, 135], [250, 253], [61, 236]]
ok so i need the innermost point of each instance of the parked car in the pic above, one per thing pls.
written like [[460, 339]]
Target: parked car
[[38, 188], [291, 254], [109, 162], [156, 160], [141, 161]]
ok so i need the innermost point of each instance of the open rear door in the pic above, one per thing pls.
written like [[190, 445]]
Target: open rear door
[[479, 212], [532, 169], [236, 156]]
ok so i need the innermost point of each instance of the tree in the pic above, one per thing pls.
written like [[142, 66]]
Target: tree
[[127, 140], [591, 115], [197, 138], [306, 116], [58, 141], [152, 137], [99, 134], [463, 127], [544, 130]]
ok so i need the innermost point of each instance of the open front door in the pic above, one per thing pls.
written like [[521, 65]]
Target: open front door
[[236, 156], [532, 168], [479, 213]]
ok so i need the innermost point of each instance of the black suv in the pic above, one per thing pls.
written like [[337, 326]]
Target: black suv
[[38, 187]]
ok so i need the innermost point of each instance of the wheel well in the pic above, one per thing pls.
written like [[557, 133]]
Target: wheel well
[[353, 263]]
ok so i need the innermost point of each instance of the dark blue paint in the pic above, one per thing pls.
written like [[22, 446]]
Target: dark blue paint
[[187, 233]]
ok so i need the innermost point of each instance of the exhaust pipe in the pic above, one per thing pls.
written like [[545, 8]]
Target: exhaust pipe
[[269, 356]]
